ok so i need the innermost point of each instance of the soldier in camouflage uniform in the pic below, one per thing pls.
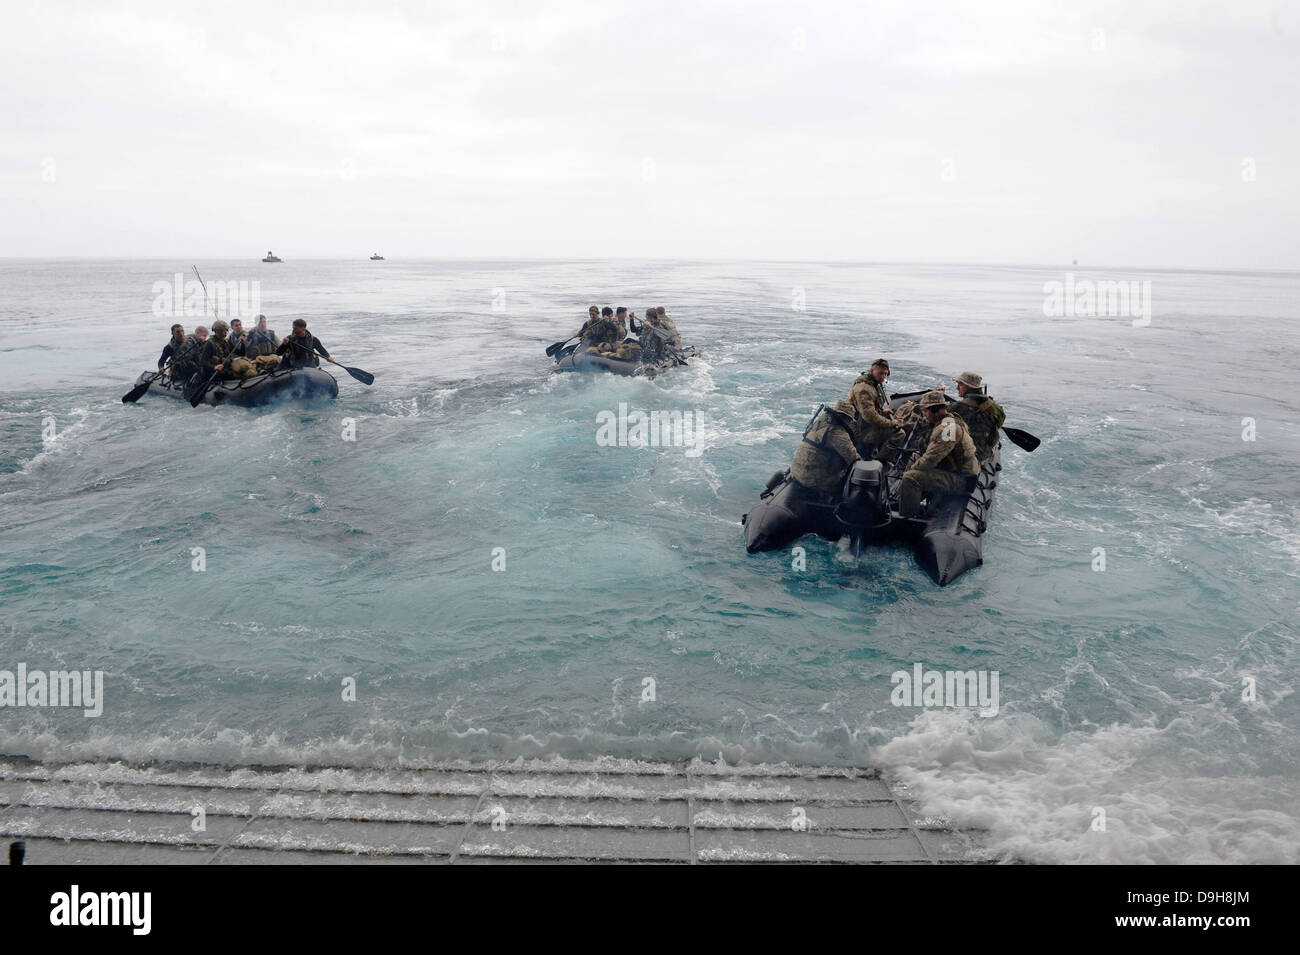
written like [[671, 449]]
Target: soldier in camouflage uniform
[[666, 323], [949, 464], [601, 333], [217, 351], [654, 339], [879, 429], [824, 456], [827, 450], [983, 416]]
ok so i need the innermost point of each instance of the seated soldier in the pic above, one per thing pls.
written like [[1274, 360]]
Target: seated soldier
[[983, 416], [215, 357], [880, 430], [260, 341], [171, 352], [300, 348], [603, 336], [825, 454], [666, 323], [948, 465]]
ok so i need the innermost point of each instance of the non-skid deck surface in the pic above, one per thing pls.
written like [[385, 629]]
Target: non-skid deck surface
[[527, 811]]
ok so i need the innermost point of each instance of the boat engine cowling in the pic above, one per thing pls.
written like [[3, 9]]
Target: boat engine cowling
[[864, 498]]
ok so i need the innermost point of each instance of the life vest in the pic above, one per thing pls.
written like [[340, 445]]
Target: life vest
[[301, 352], [185, 357], [822, 445], [259, 341], [221, 346]]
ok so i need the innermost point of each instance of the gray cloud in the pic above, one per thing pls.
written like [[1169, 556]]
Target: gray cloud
[[1016, 132]]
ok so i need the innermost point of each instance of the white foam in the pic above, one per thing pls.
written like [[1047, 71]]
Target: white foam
[[1038, 798]]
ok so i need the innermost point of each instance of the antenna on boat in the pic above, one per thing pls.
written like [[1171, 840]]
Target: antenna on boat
[[205, 289]]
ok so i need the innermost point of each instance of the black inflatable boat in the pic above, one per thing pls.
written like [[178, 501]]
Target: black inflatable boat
[[577, 358], [281, 385], [947, 536]]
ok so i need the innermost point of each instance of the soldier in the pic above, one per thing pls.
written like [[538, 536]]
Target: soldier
[[171, 351], [666, 323], [215, 354], [238, 337], [826, 451], [654, 339], [602, 336], [824, 456], [879, 428], [949, 464], [260, 340], [983, 416], [620, 319], [300, 348], [593, 316]]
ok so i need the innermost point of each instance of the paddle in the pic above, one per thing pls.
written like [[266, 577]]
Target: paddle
[[362, 376], [552, 349], [136, 393], [1023, 439], [200, 392]]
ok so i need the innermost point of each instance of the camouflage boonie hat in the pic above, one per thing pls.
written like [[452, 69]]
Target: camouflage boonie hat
[[934, 399], [971, 379]]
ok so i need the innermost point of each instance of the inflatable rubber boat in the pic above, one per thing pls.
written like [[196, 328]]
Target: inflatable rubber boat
[[576, 358], [947, 536], [287, 384]]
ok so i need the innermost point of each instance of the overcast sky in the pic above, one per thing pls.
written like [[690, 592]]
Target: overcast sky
[[1115, 133]]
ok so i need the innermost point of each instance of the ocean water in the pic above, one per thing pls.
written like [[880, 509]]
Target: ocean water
[[327, 560]]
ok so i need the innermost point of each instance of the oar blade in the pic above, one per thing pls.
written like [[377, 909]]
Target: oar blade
[[136, 393], [1023, 439], [360, 375]]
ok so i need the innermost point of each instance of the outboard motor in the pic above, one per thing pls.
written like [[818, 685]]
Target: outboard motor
[[864, 499]]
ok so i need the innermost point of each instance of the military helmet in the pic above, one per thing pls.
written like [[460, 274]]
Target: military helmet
[[845, 408], [219, 326], [880, 363], [934, 399], [970, 379]]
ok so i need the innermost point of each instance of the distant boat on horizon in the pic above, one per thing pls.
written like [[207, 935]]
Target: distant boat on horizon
[[271, 257], [376, 258]]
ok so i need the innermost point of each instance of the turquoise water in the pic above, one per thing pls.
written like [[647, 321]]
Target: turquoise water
[[372, 559]]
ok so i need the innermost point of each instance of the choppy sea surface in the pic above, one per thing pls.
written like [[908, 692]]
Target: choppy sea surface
[[1159, 690]]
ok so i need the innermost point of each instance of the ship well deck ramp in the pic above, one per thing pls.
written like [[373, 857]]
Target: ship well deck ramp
[[615, 811]]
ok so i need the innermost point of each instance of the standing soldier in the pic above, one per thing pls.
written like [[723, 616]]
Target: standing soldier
[[949, 464], [878, 425], [983, 416]]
